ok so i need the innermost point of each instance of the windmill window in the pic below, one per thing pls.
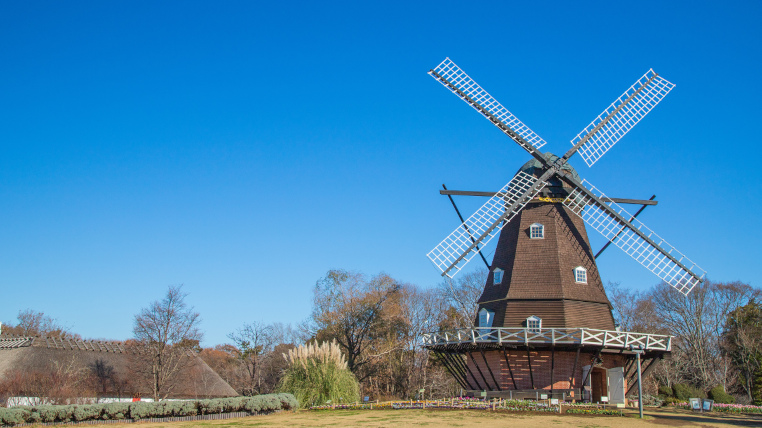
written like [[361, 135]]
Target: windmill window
[[534, 324], [537, 231], [580, 275], [485, 317], [497, 276]]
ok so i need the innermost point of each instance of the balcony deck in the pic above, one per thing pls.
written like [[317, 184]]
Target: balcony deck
[[549, 337]]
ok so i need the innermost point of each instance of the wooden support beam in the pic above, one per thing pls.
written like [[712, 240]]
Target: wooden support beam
[[463, 375], [473, 376], [574, 370], [480, 371], [592, 364], [508, 363], [552, 366], [644, 372], [529, 362], [491, 194], [465, 370], [497, 385], [455, 374]]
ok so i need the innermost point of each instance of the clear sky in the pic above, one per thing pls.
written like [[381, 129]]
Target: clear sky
[[245, 148]]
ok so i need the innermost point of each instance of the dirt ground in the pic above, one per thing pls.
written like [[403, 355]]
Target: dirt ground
[[466, 418]]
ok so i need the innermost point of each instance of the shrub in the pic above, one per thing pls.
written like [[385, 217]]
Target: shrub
[[143, 410], [719, 395], [665, 391], [13, 416], [318, 373], [683, 392], [116, 410], [87, 412], [650, 400]]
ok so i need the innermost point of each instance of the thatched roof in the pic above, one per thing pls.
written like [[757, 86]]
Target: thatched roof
[[26, 354]]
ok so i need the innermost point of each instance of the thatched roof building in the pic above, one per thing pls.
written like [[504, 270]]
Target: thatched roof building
[[96, 368]]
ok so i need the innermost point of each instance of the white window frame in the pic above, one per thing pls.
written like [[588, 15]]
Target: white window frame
[[486, 317], [537, 231], [534, 324], [580, 275], [497, 276]]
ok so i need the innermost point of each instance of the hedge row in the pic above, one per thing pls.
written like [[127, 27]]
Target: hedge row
[[144, 410]]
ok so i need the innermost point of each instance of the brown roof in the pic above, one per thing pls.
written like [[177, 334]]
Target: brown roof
[[29, 354]]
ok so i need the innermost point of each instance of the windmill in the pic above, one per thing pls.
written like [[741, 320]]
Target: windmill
[[544, 308], [585, 200]]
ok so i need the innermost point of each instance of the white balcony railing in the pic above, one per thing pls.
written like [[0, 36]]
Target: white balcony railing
[[550, 336]]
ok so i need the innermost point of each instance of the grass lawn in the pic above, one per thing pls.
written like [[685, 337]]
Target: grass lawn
[[468, 418]]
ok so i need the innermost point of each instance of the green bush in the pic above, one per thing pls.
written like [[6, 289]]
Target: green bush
[[13, 416], [144, 410], [683, 392], [84, 413], [319, 373], [665, 391], [116, 410], [650, 400], [719, 395]]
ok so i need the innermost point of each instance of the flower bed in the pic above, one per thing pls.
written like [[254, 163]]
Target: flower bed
[[145, 410], [594, 411], [737, 408], [455, 403]]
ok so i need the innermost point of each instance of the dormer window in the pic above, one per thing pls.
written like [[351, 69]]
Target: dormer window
[[537, 231], [534, 324], [580, 275], [485, 317], [497, 276]]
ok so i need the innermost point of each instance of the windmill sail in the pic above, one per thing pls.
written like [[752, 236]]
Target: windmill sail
[[634, 238], [624, 113], [458, 248], [457, 81]]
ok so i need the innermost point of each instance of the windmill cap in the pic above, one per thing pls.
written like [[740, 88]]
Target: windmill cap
[[535, 168]]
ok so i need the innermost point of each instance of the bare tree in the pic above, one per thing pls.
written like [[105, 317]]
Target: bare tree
[[167, 336], [697, 321], [252, 342], [348, 308], [34, 323], [462, 294]]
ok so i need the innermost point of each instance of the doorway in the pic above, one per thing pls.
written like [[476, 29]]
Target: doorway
[[599, 383]]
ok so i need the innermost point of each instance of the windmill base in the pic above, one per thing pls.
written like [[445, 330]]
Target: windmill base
[[583, 373]]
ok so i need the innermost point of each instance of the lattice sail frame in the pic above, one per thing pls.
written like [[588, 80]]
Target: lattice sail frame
[[623, 120], [632, 244], [459, 241], [464, 83]]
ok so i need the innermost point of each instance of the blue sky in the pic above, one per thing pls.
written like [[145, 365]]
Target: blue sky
[[245, 148]]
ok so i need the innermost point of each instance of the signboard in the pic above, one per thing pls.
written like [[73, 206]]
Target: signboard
[[708, 404], [543, 396], [366, 398], [695, 403], [484, 393], [554, 401], [604, 399]]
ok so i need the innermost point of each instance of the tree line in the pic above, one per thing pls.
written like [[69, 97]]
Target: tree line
[[377, 321]]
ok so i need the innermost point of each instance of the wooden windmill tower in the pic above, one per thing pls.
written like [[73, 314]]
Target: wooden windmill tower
[[544, 322]]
